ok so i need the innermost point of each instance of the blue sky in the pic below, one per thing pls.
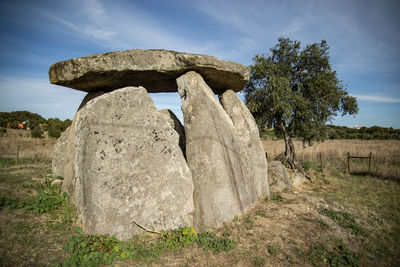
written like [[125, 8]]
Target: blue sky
[[363, 35]]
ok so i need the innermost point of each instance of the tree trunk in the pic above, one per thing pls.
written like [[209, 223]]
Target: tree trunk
[[289, 157]]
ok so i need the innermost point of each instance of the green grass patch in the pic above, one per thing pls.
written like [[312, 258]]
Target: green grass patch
[[48, 198], [319, 254], [320, 223], [344, 219], [93, 250], [277, 197]]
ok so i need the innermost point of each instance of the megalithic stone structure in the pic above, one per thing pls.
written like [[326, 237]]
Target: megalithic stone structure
[[247, 130], [123, 161], [215, 155]]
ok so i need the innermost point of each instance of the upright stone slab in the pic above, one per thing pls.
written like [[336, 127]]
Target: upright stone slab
[[215, 155], [247, 129], [64, 152], [128, 167], [64, 160], [279, 179], [171, 118]]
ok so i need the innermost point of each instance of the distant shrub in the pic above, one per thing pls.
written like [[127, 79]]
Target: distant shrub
[[37, 132]]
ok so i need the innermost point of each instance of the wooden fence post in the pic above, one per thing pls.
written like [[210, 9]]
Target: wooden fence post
[[369, 163], [18, 148], [320, 159], [348, 161]]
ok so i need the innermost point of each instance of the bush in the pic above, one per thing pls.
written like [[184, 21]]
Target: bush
[[37, 132]]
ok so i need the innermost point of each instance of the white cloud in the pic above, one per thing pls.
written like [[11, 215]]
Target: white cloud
[[377, 98]]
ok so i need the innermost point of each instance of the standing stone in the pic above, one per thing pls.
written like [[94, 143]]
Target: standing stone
[[215, 155], [247, 130], [128, 167], [174, 122], [279, 179], [64, 152], [64, 159]]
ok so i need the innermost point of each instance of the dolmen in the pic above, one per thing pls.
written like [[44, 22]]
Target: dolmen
[[128, 167]]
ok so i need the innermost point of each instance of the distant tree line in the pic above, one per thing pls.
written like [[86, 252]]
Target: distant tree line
[[343, 132], [364, 133], [33, 121]]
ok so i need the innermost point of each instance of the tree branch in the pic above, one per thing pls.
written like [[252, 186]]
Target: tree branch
[[147, 230]]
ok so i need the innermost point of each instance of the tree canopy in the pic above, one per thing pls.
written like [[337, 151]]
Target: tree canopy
[[296, 92]]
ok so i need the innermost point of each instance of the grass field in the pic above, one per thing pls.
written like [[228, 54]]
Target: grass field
[[385, 162], [340, 219], [28, 147]]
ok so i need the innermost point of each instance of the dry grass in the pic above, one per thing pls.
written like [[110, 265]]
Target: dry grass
[[385, 154], [29, 147]]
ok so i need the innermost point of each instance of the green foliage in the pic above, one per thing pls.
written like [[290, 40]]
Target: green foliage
[[179, 238], [37, 132], [323, 225], [183, 237], [344, 219], [55, 126], [274, 249], [338, 255], [248, 221], [6, 162], [277, 197], [296, 91], [16, 117], [94, 250], [364, 133], [210, 241], [48, 198]]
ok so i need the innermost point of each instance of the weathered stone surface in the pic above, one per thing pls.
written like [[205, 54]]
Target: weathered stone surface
[[247, 130], [215, 155], [278, 177], [64, 152], [128, 167], [174, 122], [64, 159], [297, 179], [156, 70]]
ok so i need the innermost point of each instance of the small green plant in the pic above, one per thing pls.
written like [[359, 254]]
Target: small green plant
[[344, 219], [319, 254], [277, 197], [179, 238], [261, 213], [248, 221], [274, 249], [94, 250], [48, 198], [183, 237], [210, 241]]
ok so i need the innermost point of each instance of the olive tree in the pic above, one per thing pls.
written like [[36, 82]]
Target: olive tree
[[296, 92]]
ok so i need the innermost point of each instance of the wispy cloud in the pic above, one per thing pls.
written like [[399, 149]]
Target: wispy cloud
[[38, 95], [378, 98]]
